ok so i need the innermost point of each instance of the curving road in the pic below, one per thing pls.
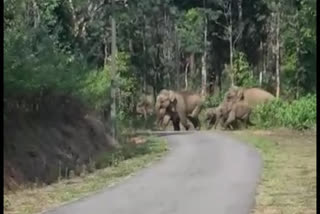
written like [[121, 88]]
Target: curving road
[[203, 173]]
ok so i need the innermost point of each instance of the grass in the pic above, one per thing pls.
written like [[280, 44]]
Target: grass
[[288, 183], [39, 199]]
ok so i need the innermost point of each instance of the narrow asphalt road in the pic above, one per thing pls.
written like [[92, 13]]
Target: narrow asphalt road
[[203, 173]]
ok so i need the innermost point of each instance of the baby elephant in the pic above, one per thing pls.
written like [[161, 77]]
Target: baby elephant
[[211, 115], [239, 111]]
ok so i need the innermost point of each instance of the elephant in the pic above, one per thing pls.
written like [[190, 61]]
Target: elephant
[[252, 96], [165, 112], [169, 114], [239, 111], [212, 115], [145, 105], [247, 96], [162, 102], [185, 104]]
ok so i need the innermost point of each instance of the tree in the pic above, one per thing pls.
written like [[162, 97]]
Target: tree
[[113, 73], [231, 33]]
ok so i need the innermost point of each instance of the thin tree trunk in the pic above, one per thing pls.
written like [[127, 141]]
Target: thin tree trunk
[[265, 57], [144, 56], [177, 61], [204, 56], [144, 82], [298, 73], [231, 56], [278, 53], [204, 64], [186, 75], [192, 65], [261, 69], [36, 14], [240, 10], [113, 73]]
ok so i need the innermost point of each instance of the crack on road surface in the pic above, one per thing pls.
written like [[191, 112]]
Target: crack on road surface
[[204, 172]]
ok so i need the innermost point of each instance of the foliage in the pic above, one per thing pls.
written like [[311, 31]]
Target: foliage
[[40, 65], [214, 101], [64, 46], [243, 74], [299, 30], [298, 114], [190, 30]]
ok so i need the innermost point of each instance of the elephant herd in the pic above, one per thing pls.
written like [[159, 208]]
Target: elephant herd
[[179, 107]]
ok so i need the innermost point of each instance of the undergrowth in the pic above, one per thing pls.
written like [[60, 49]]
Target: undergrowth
[[298, 114]]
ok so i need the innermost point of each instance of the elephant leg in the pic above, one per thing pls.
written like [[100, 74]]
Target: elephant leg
[[230, 119], [175, 121], [183, 120], [217, 122], [165, 121], [198, 123], [218, 119], [248, 120], [195, 122], [176, 125], [211, 123], [144, 114], [196, 111]]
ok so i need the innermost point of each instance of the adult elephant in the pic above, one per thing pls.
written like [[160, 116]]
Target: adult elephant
[[180, 106], [162, 102], [252, 96]]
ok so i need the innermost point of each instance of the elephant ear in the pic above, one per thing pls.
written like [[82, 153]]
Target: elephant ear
[[240, 94], [172, 96]]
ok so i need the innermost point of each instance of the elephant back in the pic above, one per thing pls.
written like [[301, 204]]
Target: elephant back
[[191, 100], [256, 96]]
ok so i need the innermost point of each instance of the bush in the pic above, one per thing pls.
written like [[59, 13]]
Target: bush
[[243, 74], [214, 101], [298, 114]]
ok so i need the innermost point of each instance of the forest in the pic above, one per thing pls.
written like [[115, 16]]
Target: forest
[[75, 72], [64, 47]]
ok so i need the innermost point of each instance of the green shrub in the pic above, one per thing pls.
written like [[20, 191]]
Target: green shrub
[[214, 101], [298, 114], [243, 75]]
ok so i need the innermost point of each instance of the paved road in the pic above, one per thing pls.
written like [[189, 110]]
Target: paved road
[[203, 173]]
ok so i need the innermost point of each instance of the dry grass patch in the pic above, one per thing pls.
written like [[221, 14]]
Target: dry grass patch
[[288, 183]]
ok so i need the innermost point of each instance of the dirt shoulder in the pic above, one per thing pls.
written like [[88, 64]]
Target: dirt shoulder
[[31, 200], [288, 184]]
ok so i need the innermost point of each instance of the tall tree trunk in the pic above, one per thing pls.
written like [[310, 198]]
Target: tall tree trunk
[[204, 56], [144, 55], [240, 11], [278, 53], [113, 73], [177, 61], [204, 64], [298, 72]]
